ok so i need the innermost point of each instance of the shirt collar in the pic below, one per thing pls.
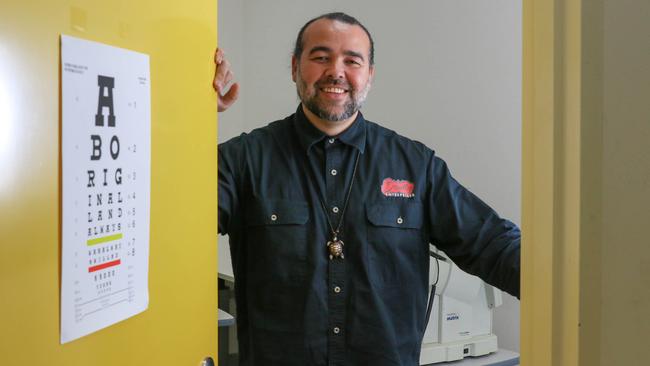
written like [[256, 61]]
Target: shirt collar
[[308, 134]]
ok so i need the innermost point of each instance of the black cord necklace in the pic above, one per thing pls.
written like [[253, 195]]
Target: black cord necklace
[[335, 246]]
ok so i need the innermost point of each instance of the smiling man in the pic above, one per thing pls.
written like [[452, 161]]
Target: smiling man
[[330, 217], [334, 74]]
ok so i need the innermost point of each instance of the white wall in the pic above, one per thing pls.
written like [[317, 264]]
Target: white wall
[[448, 74]]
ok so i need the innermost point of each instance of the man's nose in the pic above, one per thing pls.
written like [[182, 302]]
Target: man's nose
[[336, 70]]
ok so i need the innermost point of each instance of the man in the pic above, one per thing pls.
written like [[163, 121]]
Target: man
[[330, 218]]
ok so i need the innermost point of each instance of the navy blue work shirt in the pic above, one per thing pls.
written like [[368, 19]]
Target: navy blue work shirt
[[295, 306]]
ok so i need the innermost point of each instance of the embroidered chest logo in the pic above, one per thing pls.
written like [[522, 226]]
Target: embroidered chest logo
[[397, 188]]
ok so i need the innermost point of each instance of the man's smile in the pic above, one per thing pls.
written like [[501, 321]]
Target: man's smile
[[333, 90]]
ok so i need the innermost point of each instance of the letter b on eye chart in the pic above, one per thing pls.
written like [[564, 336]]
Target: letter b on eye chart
[[106, 166]]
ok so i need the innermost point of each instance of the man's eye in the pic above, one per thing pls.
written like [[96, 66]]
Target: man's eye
[[320, 58], [353, 63]]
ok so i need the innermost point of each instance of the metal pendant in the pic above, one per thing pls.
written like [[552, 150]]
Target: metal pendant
[[335, 248]]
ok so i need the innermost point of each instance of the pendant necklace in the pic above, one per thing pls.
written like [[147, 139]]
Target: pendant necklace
[[335, 246]]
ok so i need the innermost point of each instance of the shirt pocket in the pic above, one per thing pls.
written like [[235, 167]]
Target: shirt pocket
[[397, 249], [276, 235], [276, 240]]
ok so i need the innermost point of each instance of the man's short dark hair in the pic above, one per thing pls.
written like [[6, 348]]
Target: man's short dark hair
[[339, 17]]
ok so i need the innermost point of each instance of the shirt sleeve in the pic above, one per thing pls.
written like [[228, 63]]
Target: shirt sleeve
[[228, 167], [471, 233]]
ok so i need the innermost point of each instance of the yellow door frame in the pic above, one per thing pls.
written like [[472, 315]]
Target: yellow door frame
[[561, 182]]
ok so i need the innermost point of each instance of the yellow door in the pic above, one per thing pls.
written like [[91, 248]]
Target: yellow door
[[179, 326]]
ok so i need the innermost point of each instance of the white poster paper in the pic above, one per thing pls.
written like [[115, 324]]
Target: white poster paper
[[106, 166]]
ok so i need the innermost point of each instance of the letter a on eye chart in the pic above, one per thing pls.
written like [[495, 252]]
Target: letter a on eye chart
[[106, 127]]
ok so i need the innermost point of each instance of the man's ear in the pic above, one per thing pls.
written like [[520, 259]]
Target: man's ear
[[372, 74], [294, 67]]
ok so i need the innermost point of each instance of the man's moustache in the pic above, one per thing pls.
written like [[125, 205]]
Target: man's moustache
[[333, 83]]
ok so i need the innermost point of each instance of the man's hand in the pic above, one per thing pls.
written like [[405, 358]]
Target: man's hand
[[222, 77]]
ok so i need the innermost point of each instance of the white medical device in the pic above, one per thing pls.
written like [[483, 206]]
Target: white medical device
[[460, 323]]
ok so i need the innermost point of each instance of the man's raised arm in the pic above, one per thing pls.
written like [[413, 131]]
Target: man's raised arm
[[223, 76]]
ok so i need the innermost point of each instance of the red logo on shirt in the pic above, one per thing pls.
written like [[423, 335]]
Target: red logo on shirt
[[397, 188]]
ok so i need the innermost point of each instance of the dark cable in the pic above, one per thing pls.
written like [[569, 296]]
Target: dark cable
[[432, 295]]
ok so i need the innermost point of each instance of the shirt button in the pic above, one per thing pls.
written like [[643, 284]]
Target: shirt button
[[333, 172], [400, 220], [337, 289], [335, 209], [331, 141], [336, 330], [274, 217]]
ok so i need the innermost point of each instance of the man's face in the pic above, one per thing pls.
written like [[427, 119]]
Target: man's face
[[333, 75]]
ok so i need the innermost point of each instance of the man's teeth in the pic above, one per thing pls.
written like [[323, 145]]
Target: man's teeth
[[334, 90]]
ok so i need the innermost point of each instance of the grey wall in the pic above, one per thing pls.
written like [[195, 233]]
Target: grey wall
[[625, 276], [448, 74]]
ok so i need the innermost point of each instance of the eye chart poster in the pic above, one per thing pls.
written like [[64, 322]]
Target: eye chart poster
[[106, 165]]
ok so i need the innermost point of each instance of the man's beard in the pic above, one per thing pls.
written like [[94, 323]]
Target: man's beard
[[314, 104]]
